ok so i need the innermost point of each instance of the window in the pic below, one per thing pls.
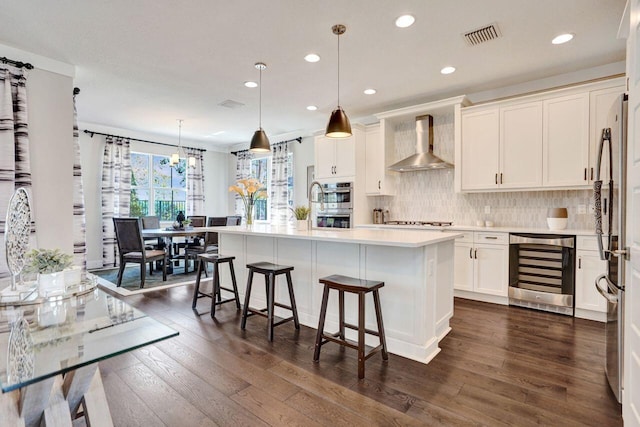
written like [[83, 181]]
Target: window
[[156, 187], [261, 170]]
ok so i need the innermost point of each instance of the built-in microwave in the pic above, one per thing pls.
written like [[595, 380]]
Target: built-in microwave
[[338, 196]]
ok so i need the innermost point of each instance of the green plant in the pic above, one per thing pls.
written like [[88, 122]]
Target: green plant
[[45, 261], [301, 212]]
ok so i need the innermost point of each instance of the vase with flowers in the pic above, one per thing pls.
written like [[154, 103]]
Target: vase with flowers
[[249, 190]]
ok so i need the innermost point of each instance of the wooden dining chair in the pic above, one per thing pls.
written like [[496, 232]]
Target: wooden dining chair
[[209, 245], [234, 220], [131, 249], [152, 222]]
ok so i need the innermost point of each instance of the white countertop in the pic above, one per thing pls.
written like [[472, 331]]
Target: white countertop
[[366, 236], [475, 228]]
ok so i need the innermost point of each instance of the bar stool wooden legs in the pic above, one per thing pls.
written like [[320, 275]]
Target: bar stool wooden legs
[[215, 295], [270, 272], [357, 286]]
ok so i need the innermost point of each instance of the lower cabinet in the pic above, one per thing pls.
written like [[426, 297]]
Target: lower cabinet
[[482, 266], [589, 304]]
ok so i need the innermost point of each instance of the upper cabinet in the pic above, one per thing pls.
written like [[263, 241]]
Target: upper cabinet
[[565, 147], [541, 141], [336, 157], [379, 181]]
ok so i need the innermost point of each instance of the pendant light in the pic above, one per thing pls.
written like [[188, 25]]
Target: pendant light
[[175, 157], [260, 142], [338, 126]]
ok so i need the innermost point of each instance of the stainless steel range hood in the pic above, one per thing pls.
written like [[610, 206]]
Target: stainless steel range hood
[[423, 159]]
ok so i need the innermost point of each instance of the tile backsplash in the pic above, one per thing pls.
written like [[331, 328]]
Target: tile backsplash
[[430, 195]]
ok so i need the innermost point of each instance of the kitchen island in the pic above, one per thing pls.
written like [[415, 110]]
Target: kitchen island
[[417, 268]]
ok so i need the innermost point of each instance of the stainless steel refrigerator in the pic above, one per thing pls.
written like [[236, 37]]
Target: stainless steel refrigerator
[[610, 216]]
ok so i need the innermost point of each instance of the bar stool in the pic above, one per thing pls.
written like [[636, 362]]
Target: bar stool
[[270, 272], [215, 295], [357, 286]]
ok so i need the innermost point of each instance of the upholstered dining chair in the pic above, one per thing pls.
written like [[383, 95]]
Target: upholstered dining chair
[[196, 221], [152, 222], [210, 244], [131, 249], [234, 220]]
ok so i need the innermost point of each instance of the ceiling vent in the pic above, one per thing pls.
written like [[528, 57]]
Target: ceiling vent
[[230, 103], [481, 35]]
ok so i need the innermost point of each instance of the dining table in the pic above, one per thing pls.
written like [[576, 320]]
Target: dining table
[[168, 234], [49, 353]]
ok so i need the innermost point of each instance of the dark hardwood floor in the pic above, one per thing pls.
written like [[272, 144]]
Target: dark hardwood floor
[[499, 366]]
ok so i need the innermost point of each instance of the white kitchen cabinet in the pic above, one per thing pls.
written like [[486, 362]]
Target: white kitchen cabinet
[[543, 141], [565, 143], [600, 104], [379, 181], [336, 157], [480, 149], [589, 304], [482, 267], [521, 145]]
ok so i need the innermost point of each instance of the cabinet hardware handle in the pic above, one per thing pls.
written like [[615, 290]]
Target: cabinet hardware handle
[[585, 174], [475, 254], [379, 185], [491, 237], [471, 253], [496, 179], [500, 177], [579, 262], [591, 174]]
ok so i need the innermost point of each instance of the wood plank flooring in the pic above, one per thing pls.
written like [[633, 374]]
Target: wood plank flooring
[[499, 366]]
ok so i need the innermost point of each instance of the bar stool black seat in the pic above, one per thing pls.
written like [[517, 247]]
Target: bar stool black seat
[[270, 272], [357, 286], [215, 295]]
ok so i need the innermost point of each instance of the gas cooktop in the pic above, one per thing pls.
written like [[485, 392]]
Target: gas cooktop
[[426, 223]]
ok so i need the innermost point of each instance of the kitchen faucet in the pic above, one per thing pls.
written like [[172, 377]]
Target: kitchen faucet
[[309, 197]]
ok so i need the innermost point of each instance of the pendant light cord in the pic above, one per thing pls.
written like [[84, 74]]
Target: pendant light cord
[[338, 70], [260, 105]]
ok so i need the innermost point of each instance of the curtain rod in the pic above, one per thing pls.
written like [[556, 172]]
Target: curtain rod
[[91, 133], [299, 139], [18, 64]]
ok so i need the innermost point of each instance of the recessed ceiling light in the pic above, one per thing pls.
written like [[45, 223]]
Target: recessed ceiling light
[[405, 21], [369, 91], [448, 70], [312, 57], [562, 38], [312, 108], [251, 84]]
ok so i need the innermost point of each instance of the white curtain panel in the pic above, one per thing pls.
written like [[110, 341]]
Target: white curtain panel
[[79, 224], [280, 175], [243, 171], [15, 166], [116, 193], [195, 183]]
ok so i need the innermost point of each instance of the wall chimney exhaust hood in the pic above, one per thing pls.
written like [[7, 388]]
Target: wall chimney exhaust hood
[[423, 159]]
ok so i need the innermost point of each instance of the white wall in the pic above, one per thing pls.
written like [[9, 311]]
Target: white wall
[[91, 151]]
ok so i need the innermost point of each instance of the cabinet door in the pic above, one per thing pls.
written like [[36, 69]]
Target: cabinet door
[[463, 266], [345, 156], [480, 155], [374, 162], [521, 145], [491, 272], [565, 141], [325, 157], [588, 267], [601, 102]]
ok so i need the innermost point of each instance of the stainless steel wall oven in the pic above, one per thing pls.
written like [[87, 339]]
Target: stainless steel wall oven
[[542, 271], [338, 206]]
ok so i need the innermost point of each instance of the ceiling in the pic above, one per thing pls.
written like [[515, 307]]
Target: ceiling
[[143, 64]]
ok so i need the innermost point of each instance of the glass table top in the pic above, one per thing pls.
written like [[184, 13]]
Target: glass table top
[[58, 335]]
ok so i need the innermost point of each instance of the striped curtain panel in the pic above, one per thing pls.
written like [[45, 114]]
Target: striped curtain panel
[[243, 171], [79, 225], [195, 183], [280, 174], [116, 193], [15, 166]]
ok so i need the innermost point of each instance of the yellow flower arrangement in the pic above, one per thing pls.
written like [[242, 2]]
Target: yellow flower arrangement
[[249, 190]]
